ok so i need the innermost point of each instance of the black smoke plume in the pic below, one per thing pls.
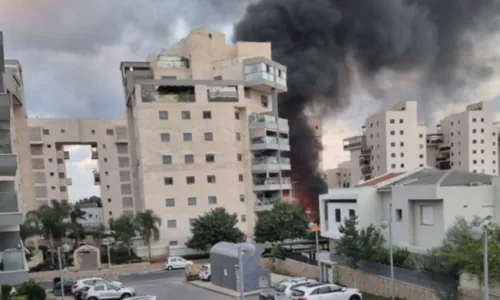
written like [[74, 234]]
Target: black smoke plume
[[322, 41]]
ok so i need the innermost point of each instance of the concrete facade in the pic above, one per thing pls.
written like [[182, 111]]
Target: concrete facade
[[425, 203], [94, 216], [109, 141], [192, 148], [13, 147], [339, 177]]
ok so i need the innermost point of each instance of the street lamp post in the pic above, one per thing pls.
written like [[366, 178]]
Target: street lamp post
[[243, 249], [388, 225], [61, 275], [314, 226], [477, 233]]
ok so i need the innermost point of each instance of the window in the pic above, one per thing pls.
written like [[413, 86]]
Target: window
[[247, 93], [207, 114], [189, 158], [209, 136], [163, 115], [352, 213], [264, 101], [243, 218], [238, 136], [427, 215], [338, 217], [211, 179], [401, 144], [242, 198], [109, 132], [236, 115], [191, 222], [474, 151], [402, 165], [391, 121], [401, 121], [239, 157], [474, 162], [218, 78], [46, 132], [165, 137], [401, 132], [209, 158], [393, 154], [393, 144], [240, 177], [482, 119], [186, 115], [93, 131], [192, 201], [168, 180], [187, 137], [401, 154], [173, 243], [421, 156], [190, 180], [473, 130], [399, 214], [420, 135], [212, 200], [170, 202], [167, 159], [172, 223], [393, 132]]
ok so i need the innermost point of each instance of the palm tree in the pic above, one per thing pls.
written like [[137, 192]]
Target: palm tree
[[123, 230], [147, 225]]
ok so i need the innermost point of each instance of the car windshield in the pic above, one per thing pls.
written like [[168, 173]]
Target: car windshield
[[297, 293], [280, 288], [204, 268]]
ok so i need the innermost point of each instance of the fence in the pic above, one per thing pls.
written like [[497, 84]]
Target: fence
[[438, 283]]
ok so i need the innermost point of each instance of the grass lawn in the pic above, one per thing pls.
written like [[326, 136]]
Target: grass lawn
[[371, 297]]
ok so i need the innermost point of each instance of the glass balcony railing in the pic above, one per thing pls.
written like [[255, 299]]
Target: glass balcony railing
[[8, 203], [271, 181], [266, 119], [269, 140], [266, 201], [5, 142], [270, 160]]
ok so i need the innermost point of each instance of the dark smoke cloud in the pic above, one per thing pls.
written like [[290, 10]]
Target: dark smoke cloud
[[322, 41]]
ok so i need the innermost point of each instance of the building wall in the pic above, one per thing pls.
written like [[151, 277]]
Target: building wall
[[93, 217], [340, 176], [48, 138], [179, 201]]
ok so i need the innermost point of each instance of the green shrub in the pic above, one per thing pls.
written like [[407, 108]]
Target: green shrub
[[6, 289], [31, 291]]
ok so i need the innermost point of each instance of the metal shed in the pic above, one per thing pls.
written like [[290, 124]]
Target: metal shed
[[225, 272]]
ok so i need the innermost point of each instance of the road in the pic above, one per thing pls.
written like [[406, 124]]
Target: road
[[167, 285]]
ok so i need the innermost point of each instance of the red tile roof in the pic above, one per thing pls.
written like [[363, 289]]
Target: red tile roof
[[380, 179]]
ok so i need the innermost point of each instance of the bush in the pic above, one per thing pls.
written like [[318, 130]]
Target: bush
[[118, 255], [192, 272], [31, 291], [6, 289]]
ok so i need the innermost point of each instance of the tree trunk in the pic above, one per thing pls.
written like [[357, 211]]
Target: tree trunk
[[149, 251]]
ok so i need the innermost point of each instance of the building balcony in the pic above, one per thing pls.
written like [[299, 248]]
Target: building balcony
[[445, 148], [355, 142], [10, 214], [5, 105], [8, 160], [265, 204], [97, 178], [434, 139], [271, 184], [94, 154], [121, 135], [367, 170], [269, 164], [222, 94], [269, 143], [443, 164], [65, 181], [364, 160], [15, 267], [263, 122], [264, 74]]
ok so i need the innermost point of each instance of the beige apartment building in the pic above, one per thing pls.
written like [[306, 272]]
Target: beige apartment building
[[339, 177], [392, 141], [14, 171], [204, 133], [108, 139]]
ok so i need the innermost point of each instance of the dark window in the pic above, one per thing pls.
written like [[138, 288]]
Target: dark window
[[352, 213], [338, 216]]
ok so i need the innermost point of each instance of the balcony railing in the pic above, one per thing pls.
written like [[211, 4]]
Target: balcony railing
[[270, 160], [266, 119], [266, 201], [269, 140], [8, 203], [5, 142], [354, 142], [271, 181], [366, 170], [222, 93], [434, 139], [364, 160], [173, 98]]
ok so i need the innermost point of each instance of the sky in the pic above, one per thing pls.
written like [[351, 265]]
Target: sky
[[70, 51]]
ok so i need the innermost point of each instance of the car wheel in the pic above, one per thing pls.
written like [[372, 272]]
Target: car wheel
[[126, 295], [209, 278], [355, 297], [169, 268]]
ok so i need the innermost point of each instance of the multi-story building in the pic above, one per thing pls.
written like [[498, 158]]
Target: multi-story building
[[188, 112], [108, 139], [466, 141], [93, 217], [14, 171], [392, 141], [339, 177]]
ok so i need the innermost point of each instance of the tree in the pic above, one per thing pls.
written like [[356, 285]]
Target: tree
[[123, 230], [147, 225], [358, 245], [213, 227], [285, 221], [98, 233]]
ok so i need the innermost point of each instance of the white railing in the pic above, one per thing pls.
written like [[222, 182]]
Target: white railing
[[269, 140], [266, 201], [266, 119], [270, 160], [269, 181]]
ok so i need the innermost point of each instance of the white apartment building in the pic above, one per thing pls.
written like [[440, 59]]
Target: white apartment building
[[108, 139], [339, 177], [466, 141], [192, 145], [392, 141], [14, 171], [93, 217], [420, 204]]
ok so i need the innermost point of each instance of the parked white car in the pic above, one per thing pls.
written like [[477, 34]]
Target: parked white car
[[177, 262], [206, 272], [325, 291], [81, 284], [284, 288], [108, 291]]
